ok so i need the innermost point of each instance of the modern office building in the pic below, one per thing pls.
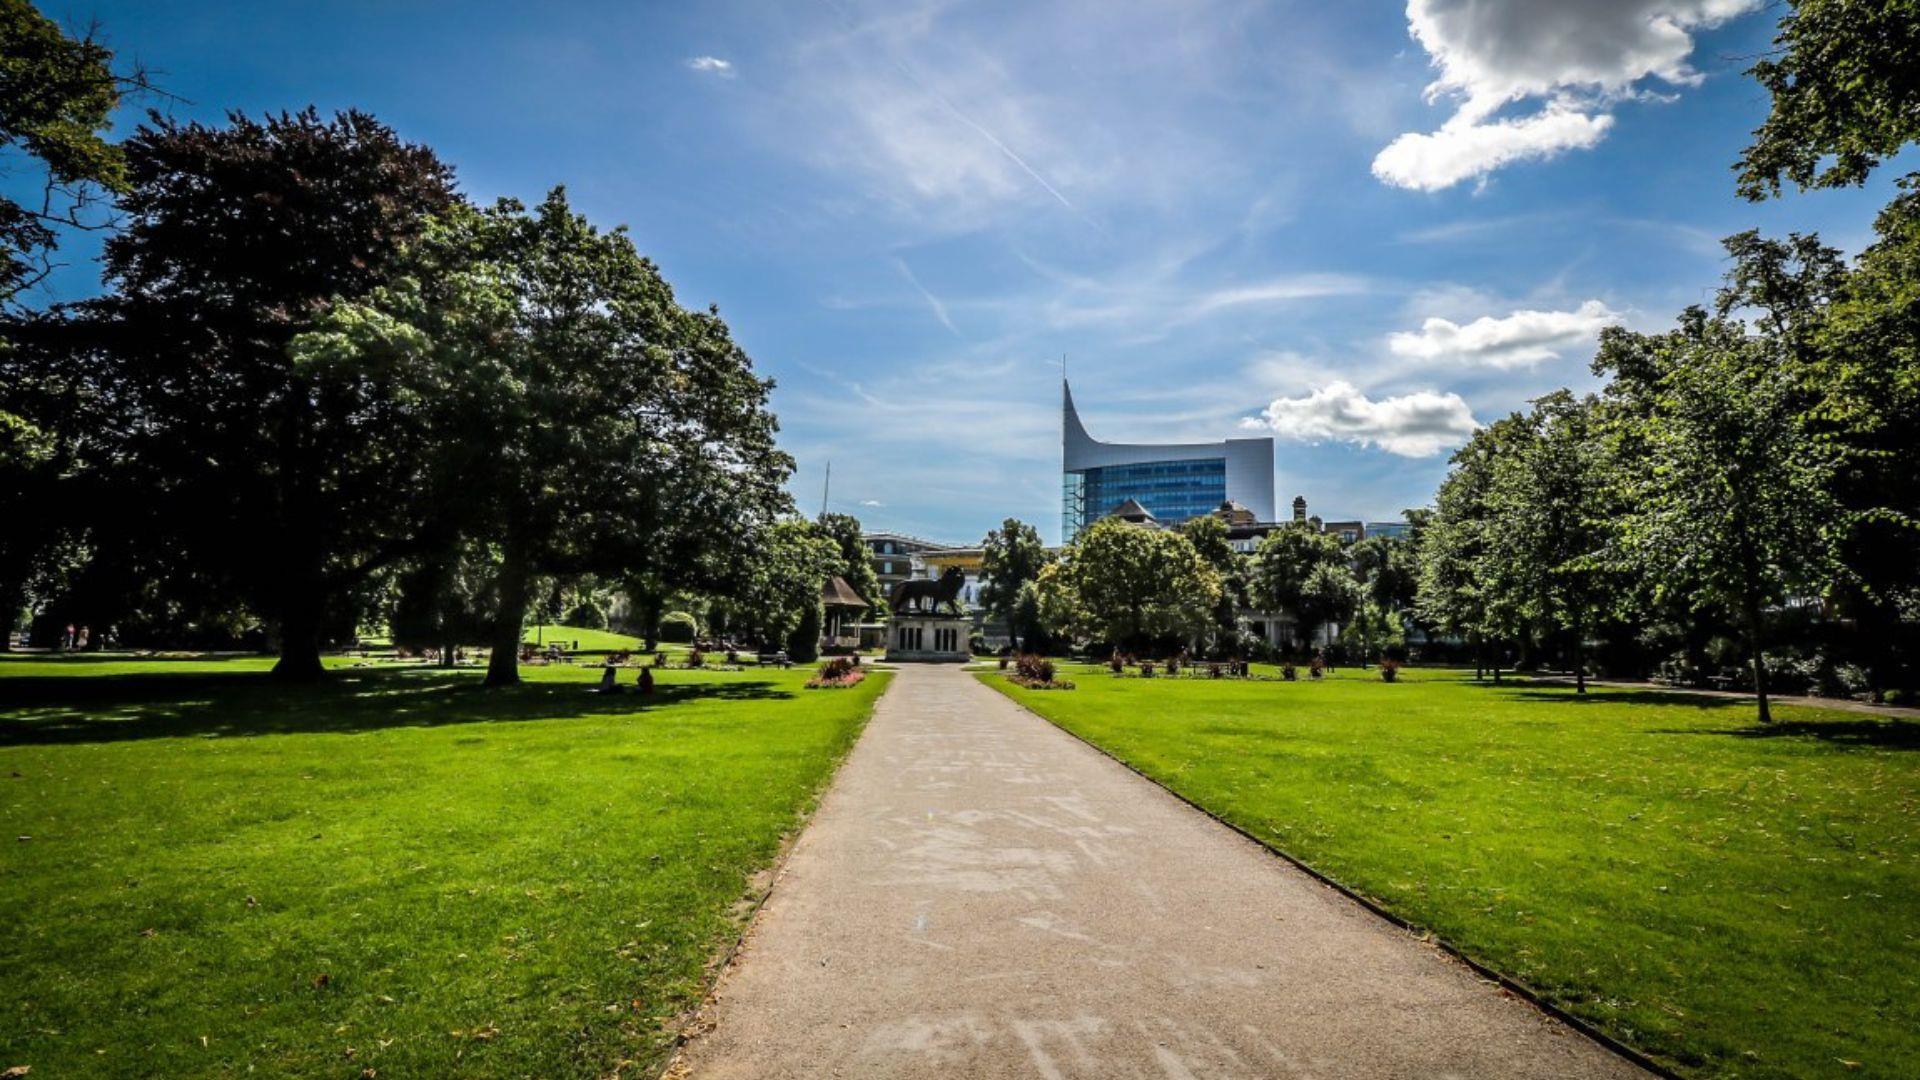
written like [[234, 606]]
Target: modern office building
[[1172, 482]]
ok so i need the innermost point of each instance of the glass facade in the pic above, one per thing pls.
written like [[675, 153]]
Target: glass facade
[[1171, 491]]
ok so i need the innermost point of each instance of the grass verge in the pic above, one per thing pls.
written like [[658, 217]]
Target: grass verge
[[398, 871], [1731, 899]]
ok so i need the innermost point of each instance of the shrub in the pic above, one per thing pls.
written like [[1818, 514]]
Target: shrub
[[837, 673], [696, 658], [1289, 672], [1146, 669], [1037, 673], [1390, 670], [588, 615], [1116, 663], [678, 627], [803, 645]]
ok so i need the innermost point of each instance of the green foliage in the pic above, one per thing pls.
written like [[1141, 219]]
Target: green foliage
[[1011, 560], [1125, 584], [477, 876], [1302, 570], [282, 487], [1722, 902], [575, 417], [782, 587], [1732, 498], [1553, 506], [679, 627], [1208, 535], [803, 644], [1844, 77], [588, 613], [57, 98], [856, 559]]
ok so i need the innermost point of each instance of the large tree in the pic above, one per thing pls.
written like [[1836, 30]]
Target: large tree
[[1732, 500], [856, 558], [578, 421], [1844, 76], [57, 97], [1550, 502], [1457, 593], [1208, 535], [1012, 557], [275, 479], [1284, 566], [1863, 381], [1384, 569], [1130, 586]]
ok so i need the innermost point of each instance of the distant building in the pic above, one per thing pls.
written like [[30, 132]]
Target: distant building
[[1169, 482], [893, 556], [1393, 530]]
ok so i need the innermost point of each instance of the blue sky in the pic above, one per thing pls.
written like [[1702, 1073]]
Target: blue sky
[[1360, 227]]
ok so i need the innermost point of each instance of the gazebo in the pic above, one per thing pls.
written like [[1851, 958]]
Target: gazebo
[[842, 608]]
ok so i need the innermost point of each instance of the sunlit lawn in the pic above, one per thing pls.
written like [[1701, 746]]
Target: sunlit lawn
[[1737, 900], [400, 871]]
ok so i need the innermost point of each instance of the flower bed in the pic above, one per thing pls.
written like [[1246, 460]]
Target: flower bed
[[1037, 673], [838, 674]]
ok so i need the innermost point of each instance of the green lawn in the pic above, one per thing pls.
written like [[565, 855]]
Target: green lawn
[[1734, 900], [398, 872], [590, 640]]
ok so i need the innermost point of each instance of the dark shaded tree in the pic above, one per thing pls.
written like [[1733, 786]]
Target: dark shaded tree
[[277, 481]]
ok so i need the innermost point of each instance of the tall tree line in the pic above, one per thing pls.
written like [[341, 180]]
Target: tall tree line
[[320, 389], [1754, 470]]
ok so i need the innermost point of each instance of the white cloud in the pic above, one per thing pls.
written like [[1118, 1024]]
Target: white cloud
[[1465, 147], [874, 503], [1280, 290], [1420, 424], [1578, 55], [1522, 339], [712, 65]]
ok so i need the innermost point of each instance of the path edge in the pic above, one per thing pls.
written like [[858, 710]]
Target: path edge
[[1504, 981], [688, 1028]]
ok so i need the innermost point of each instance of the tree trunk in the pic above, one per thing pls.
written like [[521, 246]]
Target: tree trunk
[[1579, 658], [300, 643], [1756, 649], [503, 666]]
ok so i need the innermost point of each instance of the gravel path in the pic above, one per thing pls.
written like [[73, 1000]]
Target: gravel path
[[981, 895]]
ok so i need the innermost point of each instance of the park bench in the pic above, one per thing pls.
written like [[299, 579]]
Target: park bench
[[779, 657]]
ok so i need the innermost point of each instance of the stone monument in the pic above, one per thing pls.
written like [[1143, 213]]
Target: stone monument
[[920, 629]]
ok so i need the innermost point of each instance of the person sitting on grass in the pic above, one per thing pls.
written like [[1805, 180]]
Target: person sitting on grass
[[607, 685]]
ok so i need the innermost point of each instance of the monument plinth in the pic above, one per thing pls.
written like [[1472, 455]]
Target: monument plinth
[[928, 638]]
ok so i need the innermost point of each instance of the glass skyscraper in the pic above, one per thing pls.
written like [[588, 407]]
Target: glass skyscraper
[[1171, 482]]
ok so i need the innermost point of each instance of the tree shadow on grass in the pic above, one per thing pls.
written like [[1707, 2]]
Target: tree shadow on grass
[[69, 659], [1601, 695], [116, 708], [1888, 734]]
